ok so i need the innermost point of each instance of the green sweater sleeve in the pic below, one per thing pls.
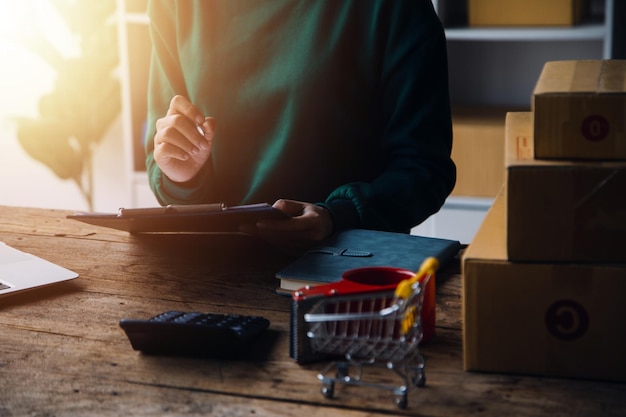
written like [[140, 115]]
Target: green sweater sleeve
[[419, 174]]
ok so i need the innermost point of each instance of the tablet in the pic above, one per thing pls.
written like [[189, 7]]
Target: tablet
[[192, 218]]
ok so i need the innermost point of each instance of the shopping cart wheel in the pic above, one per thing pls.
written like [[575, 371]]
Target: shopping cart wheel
[[328, 389], [401, 400]]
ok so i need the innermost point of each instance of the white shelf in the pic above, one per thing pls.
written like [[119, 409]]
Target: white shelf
[[535, 34], [498, 66], [468, 203], [458, 219]]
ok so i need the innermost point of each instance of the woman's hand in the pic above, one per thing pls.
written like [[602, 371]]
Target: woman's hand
[[309, 224], [183, 140]]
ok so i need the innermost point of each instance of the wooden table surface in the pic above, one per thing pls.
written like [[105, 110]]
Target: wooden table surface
[[64, 354]]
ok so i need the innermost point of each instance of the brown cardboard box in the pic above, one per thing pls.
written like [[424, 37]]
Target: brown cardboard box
[[580, 110], [563, 320], [526, 12], [561, 211], [478, 151]]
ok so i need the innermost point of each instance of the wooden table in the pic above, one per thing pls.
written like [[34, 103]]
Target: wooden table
[[64, 354]]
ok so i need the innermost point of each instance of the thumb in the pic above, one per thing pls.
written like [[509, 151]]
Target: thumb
[[291, 207]]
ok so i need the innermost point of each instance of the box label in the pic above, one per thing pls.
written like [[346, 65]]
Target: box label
[[567, 320], [595, 128]]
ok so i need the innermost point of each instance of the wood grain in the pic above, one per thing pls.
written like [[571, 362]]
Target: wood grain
[[63, 353]]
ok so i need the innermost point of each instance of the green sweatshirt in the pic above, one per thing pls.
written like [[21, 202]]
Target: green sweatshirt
[[336, 102]]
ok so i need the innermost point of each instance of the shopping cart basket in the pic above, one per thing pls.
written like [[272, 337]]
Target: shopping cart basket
[[369, 325]]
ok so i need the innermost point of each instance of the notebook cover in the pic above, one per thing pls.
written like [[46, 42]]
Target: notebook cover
[[162, 220], [357, 248]]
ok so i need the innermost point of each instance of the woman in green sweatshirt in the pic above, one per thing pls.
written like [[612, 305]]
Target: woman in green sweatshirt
[[336, 111]]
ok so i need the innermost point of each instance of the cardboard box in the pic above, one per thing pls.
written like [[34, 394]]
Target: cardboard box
[[478, 151], [580, 110], [526, 12], [561, 211], [562, 320]]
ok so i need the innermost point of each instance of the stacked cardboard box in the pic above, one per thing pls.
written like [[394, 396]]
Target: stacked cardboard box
[[561, 211], [545, 275], [580, 109], [526, 12]]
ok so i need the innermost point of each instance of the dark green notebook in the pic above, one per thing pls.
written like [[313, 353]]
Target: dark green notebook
[[355, 248]]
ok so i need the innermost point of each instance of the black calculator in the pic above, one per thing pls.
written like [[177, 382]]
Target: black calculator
[[194, 333]]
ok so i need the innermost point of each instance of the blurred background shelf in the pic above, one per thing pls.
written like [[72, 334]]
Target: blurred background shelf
[[493, 70]]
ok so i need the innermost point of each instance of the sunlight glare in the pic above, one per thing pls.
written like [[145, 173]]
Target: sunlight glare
[[13, 15], [32, 20], [25, 76]]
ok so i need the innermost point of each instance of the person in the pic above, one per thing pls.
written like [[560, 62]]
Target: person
[[336, 112]]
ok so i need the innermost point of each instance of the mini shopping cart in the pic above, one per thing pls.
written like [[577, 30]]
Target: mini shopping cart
[[369, 324]]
